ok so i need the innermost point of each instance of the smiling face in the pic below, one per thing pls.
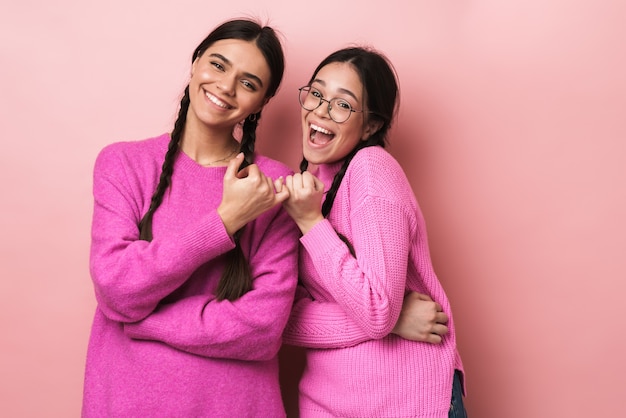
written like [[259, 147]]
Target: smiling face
[[228, 82], [324, 140]]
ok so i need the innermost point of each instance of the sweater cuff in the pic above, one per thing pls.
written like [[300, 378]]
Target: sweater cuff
[[322, 232], [207, 237]]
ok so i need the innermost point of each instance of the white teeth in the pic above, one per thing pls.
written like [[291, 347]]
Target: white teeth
[[215, 100], [320, 129]]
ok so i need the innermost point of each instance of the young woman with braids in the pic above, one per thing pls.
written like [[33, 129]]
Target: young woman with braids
[[363, 248], [193, 258]]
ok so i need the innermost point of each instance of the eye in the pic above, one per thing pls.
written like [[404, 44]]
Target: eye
[[247, 84], [342, 104], [218, 65], [316, 93]]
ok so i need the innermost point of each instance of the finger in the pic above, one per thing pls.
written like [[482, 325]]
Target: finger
[[440, 329], [281, 195], [307, 180], [297, 180], [434, 339], [313, 181], [233, 166], [441, 318], [278, 184], [270, 183], [422, 296], [251, 171], [289, 183]]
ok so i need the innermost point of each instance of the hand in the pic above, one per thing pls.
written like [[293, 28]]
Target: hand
[[304, 204], [421, 319], [247, 194]]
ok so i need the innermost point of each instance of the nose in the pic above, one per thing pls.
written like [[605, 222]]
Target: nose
[[323, 110], [227, 84]]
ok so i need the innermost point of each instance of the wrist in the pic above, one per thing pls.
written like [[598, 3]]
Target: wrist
[[306, 225], [228, 221]]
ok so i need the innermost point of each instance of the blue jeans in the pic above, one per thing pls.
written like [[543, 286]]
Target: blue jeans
[[457, 409]]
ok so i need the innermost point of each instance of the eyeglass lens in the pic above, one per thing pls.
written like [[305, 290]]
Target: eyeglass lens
[[338, 109]]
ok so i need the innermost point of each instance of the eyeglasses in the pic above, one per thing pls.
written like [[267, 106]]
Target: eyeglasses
[[339, 110]]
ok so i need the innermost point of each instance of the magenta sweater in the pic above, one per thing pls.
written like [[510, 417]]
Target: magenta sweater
[[161, 345], [355, 367]]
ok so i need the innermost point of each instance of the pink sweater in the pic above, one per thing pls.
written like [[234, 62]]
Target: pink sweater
[[161, 345], [355, 367]]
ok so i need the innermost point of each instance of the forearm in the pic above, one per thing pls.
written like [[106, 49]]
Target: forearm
[[321, 325], [132, 276], [249, 328], [217, 329], [368, 288]]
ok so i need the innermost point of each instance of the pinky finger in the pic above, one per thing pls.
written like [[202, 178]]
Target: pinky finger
[[278, 184]]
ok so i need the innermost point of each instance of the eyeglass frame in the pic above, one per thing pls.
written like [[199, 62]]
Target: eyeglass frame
[[329, 107]]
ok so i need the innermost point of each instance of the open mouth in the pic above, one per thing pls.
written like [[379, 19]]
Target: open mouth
[[319, 135], [217, 101]]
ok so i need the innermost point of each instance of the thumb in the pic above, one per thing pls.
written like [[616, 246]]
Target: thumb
[[319, 186], [233, 166]]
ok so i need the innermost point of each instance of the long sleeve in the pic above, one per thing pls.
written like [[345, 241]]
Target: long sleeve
[[131, 276], [163, 293], [248, 328], [354, 299], [355, 367], [317, 324]]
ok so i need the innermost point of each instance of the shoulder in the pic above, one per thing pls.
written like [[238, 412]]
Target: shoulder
[[132, 153], [377, 170], [375, 156], [374, 175], [271, 167]]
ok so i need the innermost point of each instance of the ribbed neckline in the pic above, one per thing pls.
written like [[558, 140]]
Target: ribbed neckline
[[326, 173], [189, 165]]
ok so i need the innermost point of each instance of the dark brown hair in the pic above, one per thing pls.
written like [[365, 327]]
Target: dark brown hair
[[236, 278], [380, 87]]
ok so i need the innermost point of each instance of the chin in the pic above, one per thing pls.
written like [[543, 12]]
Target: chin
[[312, 157]]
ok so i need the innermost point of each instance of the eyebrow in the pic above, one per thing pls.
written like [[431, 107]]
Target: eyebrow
[[341, 90], [228, 62]]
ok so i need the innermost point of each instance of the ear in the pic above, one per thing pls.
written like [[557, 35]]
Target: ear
[[193, 66], [373, 125]]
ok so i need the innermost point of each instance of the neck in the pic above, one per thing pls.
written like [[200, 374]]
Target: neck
[[208, 144], [207, 151]]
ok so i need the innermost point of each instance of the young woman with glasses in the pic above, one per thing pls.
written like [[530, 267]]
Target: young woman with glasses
[[363, 249], [193, 259]]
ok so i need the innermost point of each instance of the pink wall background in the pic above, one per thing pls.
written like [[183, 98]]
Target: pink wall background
[[512, 131]]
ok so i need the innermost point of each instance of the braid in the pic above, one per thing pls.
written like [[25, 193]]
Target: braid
[[380, 89], [332, 192], [304, 164], [236, 278], [248, 139], [165, 179]]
